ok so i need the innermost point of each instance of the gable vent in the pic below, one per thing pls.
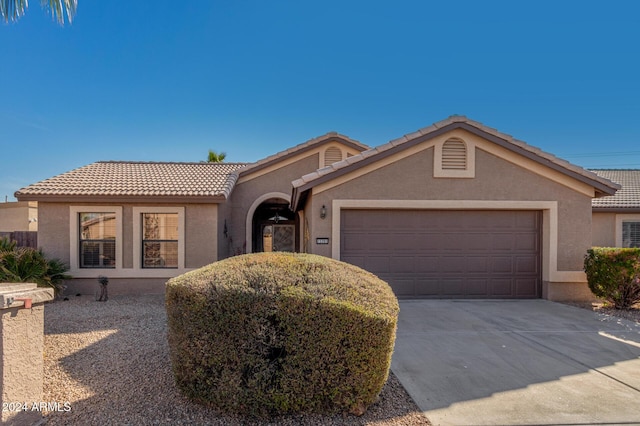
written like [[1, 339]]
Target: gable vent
[[332, 155], [454, 155]]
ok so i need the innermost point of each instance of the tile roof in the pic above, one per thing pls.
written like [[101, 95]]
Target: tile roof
[[303, 147], [626, 198], [309, 180], [135, 179]]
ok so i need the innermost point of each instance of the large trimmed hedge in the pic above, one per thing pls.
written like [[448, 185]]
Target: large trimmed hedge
[[274, 333], [613, 274]]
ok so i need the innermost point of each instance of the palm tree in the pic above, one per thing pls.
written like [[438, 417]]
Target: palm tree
[[12, 10], [215, 157]]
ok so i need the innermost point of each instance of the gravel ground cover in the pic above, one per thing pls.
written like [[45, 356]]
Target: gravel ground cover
[[110, 362], [632, 314]]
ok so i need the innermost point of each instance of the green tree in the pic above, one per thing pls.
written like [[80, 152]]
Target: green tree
[[215, 157], [12, 10]]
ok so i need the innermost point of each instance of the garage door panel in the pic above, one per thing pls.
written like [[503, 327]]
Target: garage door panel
[[451, 287], [526, 241], [377, 264], [527, 265], [437, 253], [473, 241], [529, 287], [355, 260], [353, 242], [502, 264], [404, 287], [477, 287], [527, 220], [427, 288], [477, 264], [500, 241], [449, 264], [501, 287], [402, 264], [426, 264]]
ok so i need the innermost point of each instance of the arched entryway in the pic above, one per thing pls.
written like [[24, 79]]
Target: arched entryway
[[274, 227]]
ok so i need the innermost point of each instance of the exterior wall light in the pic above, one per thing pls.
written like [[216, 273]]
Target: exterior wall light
[[323, 212]]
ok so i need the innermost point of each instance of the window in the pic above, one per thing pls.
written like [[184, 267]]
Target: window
[[97, 240], [630, 234], [160, 240]]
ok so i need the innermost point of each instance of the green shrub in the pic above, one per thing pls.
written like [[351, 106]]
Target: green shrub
[[25, 264], [613, 274], [275, 333]]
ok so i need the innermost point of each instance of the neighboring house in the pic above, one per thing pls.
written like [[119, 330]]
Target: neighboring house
[[18, 216], [616, 218], [456, 209]]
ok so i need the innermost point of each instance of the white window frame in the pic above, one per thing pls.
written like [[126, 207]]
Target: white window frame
[[620, 219], [137, 239], [74, 241], [469, 172]]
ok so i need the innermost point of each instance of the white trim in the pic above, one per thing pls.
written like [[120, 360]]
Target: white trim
[[470, 151], [137, 235], [549, 226], [249, 219], [479, 143], [74, 236], [620, 218], [280, 163]]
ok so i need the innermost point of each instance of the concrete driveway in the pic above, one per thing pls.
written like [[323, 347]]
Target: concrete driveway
[[487, 362]]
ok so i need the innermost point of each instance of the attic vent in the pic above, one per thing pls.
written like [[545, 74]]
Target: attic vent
[[332, 155], [454, 155]]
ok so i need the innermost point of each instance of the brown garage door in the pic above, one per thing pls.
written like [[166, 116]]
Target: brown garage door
[[447, 253]]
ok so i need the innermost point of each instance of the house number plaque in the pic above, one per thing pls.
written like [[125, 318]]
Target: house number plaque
[[322, 241]]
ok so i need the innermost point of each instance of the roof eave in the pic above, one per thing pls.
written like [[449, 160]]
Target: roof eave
[[276, 158], [174, 199], [635, 209], [601, 188]]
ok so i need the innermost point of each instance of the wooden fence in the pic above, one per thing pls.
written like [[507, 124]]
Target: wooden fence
[[22, 238]]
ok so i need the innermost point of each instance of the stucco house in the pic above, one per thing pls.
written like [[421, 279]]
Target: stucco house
[[616, 218], [456, 209], [18, 216]]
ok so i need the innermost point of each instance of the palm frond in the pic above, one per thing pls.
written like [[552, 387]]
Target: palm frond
[[12, 10], [59, 7], [216, 157]]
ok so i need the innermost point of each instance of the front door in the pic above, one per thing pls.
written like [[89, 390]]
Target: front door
[[278, 237]]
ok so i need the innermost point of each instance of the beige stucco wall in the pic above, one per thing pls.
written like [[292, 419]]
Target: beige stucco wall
[[18, 216], [200, 238], [250, 189], [53, 230], [496, 179], [603, 229], [21, 366], [412, 179], [255, 186]]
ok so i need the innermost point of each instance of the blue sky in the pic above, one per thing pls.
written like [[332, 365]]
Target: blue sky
[[167, 81]]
